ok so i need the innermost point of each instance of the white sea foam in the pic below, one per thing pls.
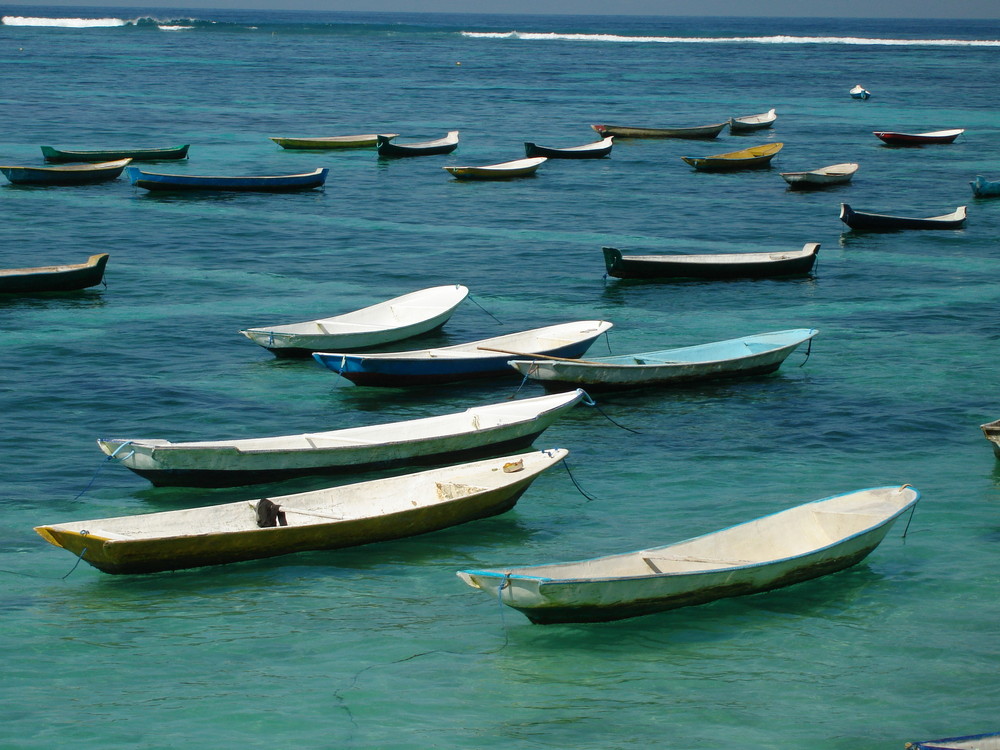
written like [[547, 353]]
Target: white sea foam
[[174, 28], [71, 23], [777, 39]]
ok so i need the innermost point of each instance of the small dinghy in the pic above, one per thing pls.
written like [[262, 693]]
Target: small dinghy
[[387, 322], [862, 220], [587, 151], [168, 153], [755, 157], [715, 266], [992, 432], [346, 516], [386, 146], [327, 143], [788, 547], [69, 278], [265, 184], [624, 131], [834, 174], [917, 139], [989, 741], [68, 174], [983, 188], [751, 123], [749, 355], [476, 432], [502, 171], [860, 92]]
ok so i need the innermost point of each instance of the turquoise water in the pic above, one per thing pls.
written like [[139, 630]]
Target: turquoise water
[[382, 646]]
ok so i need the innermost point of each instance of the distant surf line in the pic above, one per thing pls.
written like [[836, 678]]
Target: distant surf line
[[91, 23], [776, 39]]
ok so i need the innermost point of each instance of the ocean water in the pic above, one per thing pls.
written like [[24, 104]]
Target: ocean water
[[382, 646]]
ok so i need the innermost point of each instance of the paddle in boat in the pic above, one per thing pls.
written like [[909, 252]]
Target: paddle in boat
[[488, 430], [862, 220], [68, 174], [794, 545], [834, 174], [326, 143], [445, 145], [992, 432], [502, 171], [485, 358], [983, 188], [755, 157], [749, 355], [68, 278], [393, 320], [623, 131], [918, 139], [167, 153], [751, 123], [345, 516], [990, 741], [860, 92], [717, 266], [265, 184], [594, 150]]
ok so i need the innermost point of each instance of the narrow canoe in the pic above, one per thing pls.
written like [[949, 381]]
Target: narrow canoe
[[345, 516], [755, 157], [834, 174], [366, 140], [990, 741], [168, 153], [918, 139], [485, 358], [421, 148], [594, 150], [752, 122], [883, 222], [69, 174], [983, 188], [488, 430], [717, 266], [794, 545], [860, 92], [503, 171], [750, 355], [265, 184], [992, 432], [66, 278], [393, 320], [622, 131]]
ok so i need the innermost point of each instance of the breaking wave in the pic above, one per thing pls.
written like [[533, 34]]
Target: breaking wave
[[776, 39], [95, 23]]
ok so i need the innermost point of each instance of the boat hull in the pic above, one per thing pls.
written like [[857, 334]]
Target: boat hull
[[170, 153], [755, 157], [916, 139], [869, 222], [817, 179], [594, 151], [54, 278], [182, 183], [67, 175], [387, 148], [505, 171], [983, 188], [989, 741], [330, 143], [752, 123], [757, 266], [697, 133]]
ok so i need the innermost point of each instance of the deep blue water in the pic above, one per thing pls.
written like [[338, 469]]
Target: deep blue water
[[382, 646]]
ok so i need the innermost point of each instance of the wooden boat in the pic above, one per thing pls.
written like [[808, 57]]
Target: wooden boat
[[266, 184], [622, 131], [66, 278], [755, 157], [502, 171], [68, 174], [594, 150], [488, 430], [748, 355], [918, 139], [135, 154], [366, 140], [860, 92], [983, 188], [798, 544], [476, 359], [883, 222], [344, 516], [752, 122], [834, 174], [990, 741], [992, 432], [717, 266], [421, 148], [386, 322]]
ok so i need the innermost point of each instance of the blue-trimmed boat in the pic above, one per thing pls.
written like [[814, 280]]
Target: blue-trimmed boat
[[169, 153], [595, 150], [989, 741], [68, 174], [267, 184], [66, 278], [869, 222], [983, 188], [860, 92], [794, 545], [387, 147], [485, 358]]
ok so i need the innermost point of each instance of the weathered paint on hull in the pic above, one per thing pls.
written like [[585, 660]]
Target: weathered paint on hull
[[624, 268], [64, 281], [142, 154], [301, 353], [603, 387]]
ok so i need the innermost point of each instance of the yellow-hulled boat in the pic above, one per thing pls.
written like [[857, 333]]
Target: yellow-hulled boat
[[754, 157]]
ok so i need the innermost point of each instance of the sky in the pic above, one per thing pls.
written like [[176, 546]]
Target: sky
[[985, 9]]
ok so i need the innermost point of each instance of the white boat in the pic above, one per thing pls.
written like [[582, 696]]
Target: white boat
[[749, 355], [752, 122], [795, 545], [860, 92], [989, 741], [503, 171], [346, 516], [834, 174], [479, 431], [386, 322]]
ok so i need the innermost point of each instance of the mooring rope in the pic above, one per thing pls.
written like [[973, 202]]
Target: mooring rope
[[48, 578], [101, 465], [809, 348], [473, 301], [589, 401], [577, 484], [913, 509]]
